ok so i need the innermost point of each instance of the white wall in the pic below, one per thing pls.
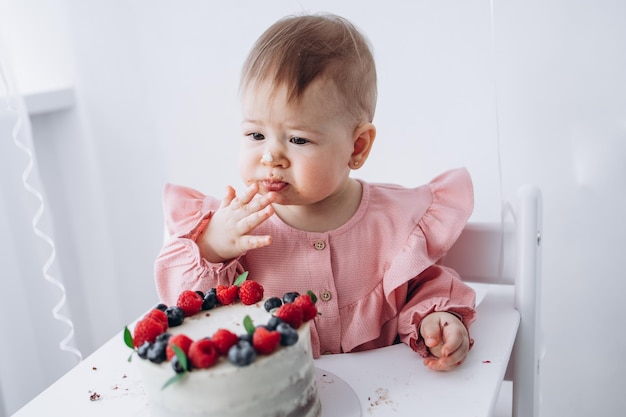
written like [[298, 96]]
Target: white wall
[[156, 85], [563, 77]]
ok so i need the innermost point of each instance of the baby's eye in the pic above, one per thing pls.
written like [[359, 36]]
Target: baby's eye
[[256, 136], [298, 141]]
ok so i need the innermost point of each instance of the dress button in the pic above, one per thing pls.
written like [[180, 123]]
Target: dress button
[[326, 296], [320, 245]]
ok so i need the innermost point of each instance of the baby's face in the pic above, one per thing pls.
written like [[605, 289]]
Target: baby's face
[[310, 142]]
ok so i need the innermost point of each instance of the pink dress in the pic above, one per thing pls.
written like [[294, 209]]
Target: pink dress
[[375, 277]]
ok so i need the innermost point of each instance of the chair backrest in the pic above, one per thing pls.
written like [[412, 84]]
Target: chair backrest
[[509, 253]]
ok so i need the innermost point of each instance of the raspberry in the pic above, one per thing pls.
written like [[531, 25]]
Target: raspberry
[[250, 292], [265, 341], [160, 316], [190, 302], [291, 314], [203, 353], [146, 330], [180, 340], [223, 340], [309, 311], [227, 294]]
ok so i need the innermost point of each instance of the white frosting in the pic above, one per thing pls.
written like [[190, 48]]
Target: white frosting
[[280, 384]]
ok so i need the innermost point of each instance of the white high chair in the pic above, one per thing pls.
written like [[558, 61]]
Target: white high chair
[[492, 254], [510, 254], [390, 381]]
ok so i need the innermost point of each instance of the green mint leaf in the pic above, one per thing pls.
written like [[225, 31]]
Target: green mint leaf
[[182, 358], [130, 357], [128, 338], [248, 325], [241, 278], [313, 296], [175, 378]]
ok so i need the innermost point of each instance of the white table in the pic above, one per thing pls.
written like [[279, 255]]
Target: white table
[[387, 382]]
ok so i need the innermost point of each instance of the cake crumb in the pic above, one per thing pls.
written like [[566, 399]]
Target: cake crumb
[[383, 398], [94, 396]]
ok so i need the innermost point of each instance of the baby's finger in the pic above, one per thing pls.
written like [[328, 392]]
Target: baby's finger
[[253, 220], [260, 203], [229, 197], [431, 332], [249, 193], [450, 346], [249, 242], [454, 338], [446, 363], [441, 364]]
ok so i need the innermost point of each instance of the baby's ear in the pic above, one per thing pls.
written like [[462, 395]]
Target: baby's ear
[[364, 136]]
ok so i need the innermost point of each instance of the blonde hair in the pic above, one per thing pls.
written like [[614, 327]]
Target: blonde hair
[[297, 50]]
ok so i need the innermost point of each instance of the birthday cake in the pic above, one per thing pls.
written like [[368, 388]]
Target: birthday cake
[[228, 353]]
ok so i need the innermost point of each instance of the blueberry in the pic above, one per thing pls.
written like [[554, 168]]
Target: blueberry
[[175, 316], [161, 307], [272, 303], [288, 335], [210, 299], [157, 353], [178, 368], [142, 351], [241, 354], [200, 293], [289, 297], [273, 322], [246, 337], [163, 337]]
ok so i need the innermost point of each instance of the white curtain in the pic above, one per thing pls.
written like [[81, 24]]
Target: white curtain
[[37, 342]]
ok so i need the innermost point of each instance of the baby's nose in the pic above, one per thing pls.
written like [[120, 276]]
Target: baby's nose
[[267, 157], [274, 159]]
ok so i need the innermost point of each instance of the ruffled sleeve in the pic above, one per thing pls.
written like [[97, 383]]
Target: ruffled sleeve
[[435, 288], [186, 209], [179, 265], [413, 284], [437, 230]]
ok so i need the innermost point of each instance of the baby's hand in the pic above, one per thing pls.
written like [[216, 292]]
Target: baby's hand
[[227, 234], [447, 340]]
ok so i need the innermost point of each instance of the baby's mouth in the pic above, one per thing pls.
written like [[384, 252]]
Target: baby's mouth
[[273, 185]]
